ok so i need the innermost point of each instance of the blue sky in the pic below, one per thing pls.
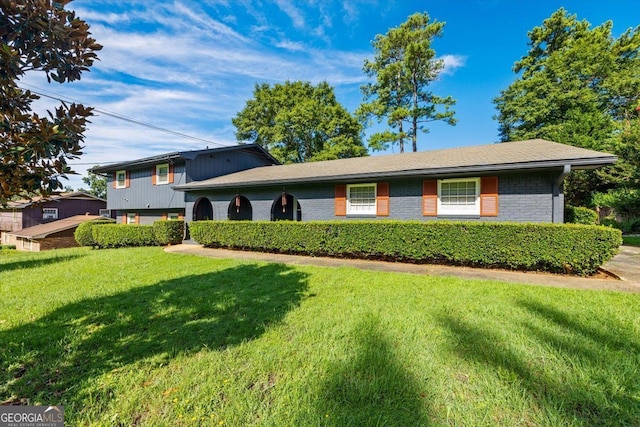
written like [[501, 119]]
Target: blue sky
[[189, 66]]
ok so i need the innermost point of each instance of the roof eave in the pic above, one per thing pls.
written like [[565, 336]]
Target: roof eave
[[587, 163]]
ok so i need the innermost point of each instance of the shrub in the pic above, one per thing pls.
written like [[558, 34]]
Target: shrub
[[168, 232], [562, 248], [625, 201], [84, 234], [120, 235], [580, 215], [7, 247]]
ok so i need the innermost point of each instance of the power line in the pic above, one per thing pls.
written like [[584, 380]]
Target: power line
[[41, 92]]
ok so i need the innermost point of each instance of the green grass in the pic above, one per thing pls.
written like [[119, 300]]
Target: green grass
[[140, 337], [631, 240]]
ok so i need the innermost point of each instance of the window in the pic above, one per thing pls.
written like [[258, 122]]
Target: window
[[162, 174], [173, 216], [132, 218], [459, 196], [49, 213], [121, 179], [361, 199]]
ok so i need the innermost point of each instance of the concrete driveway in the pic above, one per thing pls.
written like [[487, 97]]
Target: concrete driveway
[[622, 273]]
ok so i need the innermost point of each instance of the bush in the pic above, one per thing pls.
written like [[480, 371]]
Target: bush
[[625, 201], [561, 248], [168, 232], [84, 234], [580, 215], [7, 247], [121, 235]]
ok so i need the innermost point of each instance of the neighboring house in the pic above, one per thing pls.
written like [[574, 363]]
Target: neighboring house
[[141, 191], [513, 181], [21, 214], [53, 235]]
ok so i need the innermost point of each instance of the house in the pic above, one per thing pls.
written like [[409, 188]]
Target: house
[[142, 191], [21, 214], [52, 235], [513, 181]]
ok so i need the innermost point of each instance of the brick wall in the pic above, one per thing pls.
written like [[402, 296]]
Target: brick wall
[[522, 198]]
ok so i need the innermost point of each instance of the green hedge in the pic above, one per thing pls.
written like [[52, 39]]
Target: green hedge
[[121, 235], [84, 233], [580, 215], [168, 232], [561, 248]]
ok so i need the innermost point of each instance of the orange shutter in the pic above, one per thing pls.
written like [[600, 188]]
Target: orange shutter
[[340, 201], [489, 196], [180, 217], [154, 173], [382, 199], [164, 217], [137, 218], [115, 179], [126, 179], [430, 198], [124, 218], [171, 174]]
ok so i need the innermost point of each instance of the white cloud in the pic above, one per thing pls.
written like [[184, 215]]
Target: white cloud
[[295, 14], [452, 63]]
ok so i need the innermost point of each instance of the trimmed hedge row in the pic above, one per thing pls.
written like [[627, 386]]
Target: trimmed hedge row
[[166, 232], [121, 235], [560, 248], [84, 233]]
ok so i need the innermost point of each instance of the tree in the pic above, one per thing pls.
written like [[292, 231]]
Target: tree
[[40, 35], [298, 122], [404, 66], [577, 85], [97, 184]]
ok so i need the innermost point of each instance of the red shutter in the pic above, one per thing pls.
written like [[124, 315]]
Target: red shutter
[[126, 179], [170, 174], [489, 196], [154, 173], [430, 198], [382, 199], [340, 201]]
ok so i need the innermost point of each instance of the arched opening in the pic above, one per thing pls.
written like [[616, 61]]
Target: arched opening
[[240, 209], [286, 207], [202, 209]]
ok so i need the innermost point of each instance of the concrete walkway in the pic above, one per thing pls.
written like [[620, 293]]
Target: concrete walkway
[[622, 273]]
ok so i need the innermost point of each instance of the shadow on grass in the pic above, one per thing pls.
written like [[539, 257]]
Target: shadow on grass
[[371, 388], [591, 377], [49, 360], [34, 263]]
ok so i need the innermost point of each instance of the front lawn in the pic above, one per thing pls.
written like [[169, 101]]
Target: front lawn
[[139, 337]]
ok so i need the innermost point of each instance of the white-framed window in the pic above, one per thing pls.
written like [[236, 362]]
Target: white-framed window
[[131, 218], [162, 174], [49, 213], [121, 179], [173, 216], [361, 199], [459, 196], [26, 244]]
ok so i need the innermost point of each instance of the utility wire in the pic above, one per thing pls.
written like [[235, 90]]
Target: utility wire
[[41, 92]]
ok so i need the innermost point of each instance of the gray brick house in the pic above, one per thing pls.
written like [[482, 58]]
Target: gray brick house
[[513, 181], [142, 191]]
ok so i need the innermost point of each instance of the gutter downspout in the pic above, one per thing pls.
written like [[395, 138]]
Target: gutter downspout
[[557, 215]]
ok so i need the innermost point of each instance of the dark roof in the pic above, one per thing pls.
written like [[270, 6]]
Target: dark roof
[[76, 195], [254, 149], [43, 230], [508, 156]]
